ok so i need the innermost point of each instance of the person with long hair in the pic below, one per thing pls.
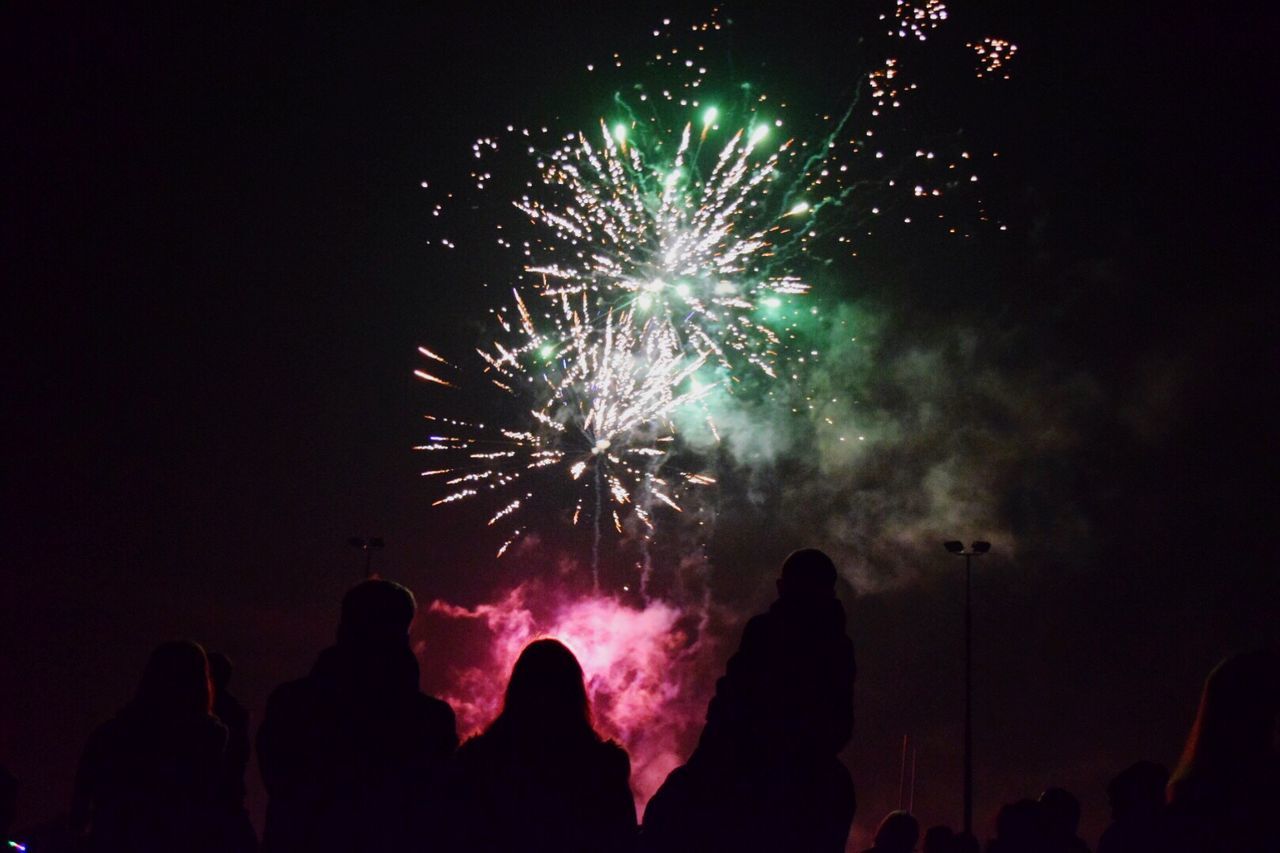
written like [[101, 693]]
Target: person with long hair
[[147, 778], [540, 778], [1225, 791]]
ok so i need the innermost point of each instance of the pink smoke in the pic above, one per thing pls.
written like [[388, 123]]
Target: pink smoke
[[643, 666]]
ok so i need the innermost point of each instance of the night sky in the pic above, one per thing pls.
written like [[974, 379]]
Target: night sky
[[216, 250]]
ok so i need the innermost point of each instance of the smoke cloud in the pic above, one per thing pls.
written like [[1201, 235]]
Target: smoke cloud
[[644, 665], [882, 443]]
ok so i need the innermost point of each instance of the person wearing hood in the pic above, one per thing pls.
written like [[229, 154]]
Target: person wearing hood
[[765, 774], [147, 780], [352, 755]]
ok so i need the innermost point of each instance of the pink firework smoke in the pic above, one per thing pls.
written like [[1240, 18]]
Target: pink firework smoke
[[644, 667]]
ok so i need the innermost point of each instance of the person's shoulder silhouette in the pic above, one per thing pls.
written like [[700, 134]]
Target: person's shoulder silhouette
[[352, 754], [1138, 820], [238, 828], [765, 773], [789, 687], [1021, 827], [1061, 815], [147, 778], [1227, 784], [540, 778], [938, 839], [228, 709]]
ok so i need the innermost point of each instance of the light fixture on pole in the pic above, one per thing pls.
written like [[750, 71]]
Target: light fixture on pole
[[368, 544]]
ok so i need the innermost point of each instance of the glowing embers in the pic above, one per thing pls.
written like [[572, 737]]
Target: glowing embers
[[994, 54], [915, 20]]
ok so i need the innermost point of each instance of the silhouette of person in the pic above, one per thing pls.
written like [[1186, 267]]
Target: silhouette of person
[[939, 839], [352, 754], [231, 791], [765, 775], [1138, 821], [1225, 791], [147, 778], [897, 833], [8, 801], [539, 778], [1020, 828], [1060, 811]]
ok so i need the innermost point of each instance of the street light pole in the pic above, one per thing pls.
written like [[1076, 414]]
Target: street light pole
[[977, 549], [968, 693], [368, 544]]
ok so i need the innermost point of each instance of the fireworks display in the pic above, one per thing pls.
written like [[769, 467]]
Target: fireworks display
[[664, 265], [661, 261]]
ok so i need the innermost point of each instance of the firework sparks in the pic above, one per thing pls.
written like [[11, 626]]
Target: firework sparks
[[993, 55], [659, 259], [915, 20]]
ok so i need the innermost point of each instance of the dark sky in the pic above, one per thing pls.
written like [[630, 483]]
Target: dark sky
[[215, 250]]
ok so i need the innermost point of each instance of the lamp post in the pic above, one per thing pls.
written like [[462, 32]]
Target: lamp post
[[368, 544], [976, 549]]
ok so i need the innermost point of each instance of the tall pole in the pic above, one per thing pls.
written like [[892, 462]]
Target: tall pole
[[367, 544], [911, 800], [968, 695], [902, 776], [976, 549]]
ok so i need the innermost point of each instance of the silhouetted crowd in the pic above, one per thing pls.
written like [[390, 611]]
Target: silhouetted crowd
[[354, 757]]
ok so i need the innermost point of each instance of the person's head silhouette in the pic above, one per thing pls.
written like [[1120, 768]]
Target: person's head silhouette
[[375, 612], [897, 833], [1061, 812], [175, 681], [547, 690], [1138, 790], [807, 575]]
